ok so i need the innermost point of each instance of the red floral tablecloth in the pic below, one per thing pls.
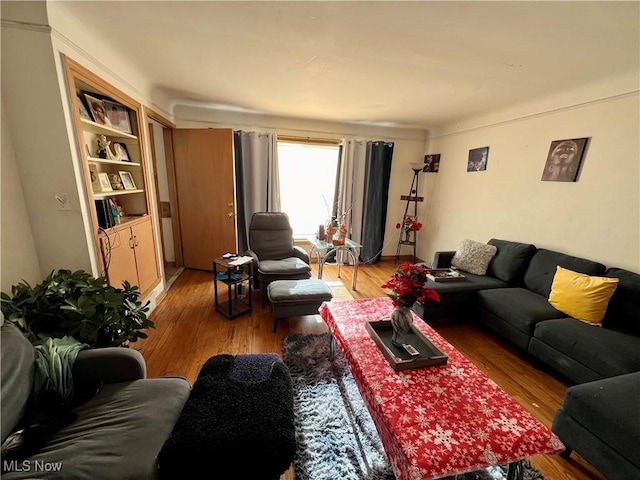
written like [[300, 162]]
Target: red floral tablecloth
[[434, 421]]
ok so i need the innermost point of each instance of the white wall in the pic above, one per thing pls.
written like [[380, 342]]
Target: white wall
[[409, 147], [18, 252], [597, 217]]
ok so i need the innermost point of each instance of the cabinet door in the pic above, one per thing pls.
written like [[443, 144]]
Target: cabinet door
[[119, 257], [205, 190], [145, 254]]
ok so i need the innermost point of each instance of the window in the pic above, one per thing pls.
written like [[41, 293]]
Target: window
[[307, 183]]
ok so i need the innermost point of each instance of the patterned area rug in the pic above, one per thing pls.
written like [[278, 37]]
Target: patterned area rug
[[335, 434]]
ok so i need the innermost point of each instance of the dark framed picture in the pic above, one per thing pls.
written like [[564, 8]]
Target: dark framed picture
[[127, 180], [564, 159], [84, 110], [478, 158], [97, 109], [122, 154], [118, 116], [431, 163]]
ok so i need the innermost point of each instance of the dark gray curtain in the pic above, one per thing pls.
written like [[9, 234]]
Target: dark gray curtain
[[243, 191], [377, 176]]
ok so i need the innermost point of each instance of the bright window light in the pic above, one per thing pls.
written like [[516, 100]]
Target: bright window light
[[307, 184]]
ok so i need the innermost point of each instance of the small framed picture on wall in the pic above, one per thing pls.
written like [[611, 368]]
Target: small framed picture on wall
[[431, 163], [478, 158], [563, 160]]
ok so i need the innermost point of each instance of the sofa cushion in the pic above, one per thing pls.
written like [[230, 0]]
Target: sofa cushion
[[473, 257], [511, 260], [606, 408], [18, 366], [624, 306], [462, 291], [584, 297], [287, 266], [604, 351], [519, 307], [118, 432], [542, 268]]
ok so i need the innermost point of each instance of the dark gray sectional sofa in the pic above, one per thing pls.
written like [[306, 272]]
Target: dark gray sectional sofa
[[512, 300]]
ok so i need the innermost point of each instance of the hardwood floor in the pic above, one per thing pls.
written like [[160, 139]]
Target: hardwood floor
[[188, 331]]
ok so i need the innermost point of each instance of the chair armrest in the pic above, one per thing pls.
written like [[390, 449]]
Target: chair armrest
[[443, 259], [109, 365], [301, 253]]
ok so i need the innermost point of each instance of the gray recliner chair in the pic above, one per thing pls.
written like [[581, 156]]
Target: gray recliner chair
[[274, 255]]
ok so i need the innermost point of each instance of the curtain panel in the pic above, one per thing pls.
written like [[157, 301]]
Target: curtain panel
[[257, 181], [377, 175]]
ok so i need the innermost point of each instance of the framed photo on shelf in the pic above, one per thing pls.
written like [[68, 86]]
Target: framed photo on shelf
[[105, 184], [97, 109], [84, 111], [127, 180], [122, 154], [118, 116], [95, 181]]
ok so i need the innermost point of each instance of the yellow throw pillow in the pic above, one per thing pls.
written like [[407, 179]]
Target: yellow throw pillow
[[581, 296]]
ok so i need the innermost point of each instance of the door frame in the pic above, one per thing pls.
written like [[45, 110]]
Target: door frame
[[167, 131]]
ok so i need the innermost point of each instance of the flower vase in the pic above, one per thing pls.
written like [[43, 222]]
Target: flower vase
[[407, 235], [401, 321]]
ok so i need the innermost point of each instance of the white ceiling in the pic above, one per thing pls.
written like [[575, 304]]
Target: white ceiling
[[420, 64]]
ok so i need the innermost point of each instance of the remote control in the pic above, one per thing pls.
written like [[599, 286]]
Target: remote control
[[410, 349]]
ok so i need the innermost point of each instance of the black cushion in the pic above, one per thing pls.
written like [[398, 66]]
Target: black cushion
[[623, 311], [238, 408], [604, 351], [542, 268], [520, 308], [511, 259], [609, 408]]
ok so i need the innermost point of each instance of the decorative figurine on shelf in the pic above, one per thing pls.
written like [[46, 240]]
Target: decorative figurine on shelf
[[407, 286], [104, 151], [342, 235]]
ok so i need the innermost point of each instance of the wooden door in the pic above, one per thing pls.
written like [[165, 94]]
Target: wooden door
[[145, 251], [205, 190], [119, 257]]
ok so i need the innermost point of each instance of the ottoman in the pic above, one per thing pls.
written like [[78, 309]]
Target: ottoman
[[237, 422], [294, 298]]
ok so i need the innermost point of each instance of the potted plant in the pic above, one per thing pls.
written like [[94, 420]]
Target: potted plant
[[78, 305]]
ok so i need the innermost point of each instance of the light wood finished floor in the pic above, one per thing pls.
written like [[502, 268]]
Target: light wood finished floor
[[188, 331]]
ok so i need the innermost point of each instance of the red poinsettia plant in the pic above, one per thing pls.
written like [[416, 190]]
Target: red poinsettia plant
[[410, 224], [407, 285]]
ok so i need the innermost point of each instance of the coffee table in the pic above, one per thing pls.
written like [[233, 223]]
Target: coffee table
[[434, 421]]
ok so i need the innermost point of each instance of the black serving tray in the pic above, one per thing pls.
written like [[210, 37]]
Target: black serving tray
[[445, 275], [399, 358]]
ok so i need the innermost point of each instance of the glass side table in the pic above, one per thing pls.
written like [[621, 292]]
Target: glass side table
[[324, 249], [238, 280]]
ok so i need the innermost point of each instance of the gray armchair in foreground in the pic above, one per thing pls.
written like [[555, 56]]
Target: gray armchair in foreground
[[274, 255]]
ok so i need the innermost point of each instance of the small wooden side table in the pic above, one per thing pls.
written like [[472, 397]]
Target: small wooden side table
[[237, 278]]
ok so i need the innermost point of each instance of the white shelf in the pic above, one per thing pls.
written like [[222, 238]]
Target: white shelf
[[115, 192], [112, 162], [104, 130]]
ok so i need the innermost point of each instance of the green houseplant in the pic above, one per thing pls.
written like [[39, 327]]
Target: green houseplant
[[78, 305]]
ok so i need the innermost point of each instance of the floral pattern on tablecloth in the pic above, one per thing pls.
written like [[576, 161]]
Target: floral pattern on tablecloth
[[435, 421]]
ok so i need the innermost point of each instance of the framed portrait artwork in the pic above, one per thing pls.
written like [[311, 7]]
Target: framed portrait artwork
[[127, 181], [118, 116], [84, 111], [97, 109], [478, 158], [121, 152], [95, 181], [431, 163], [105, 184], [563, 160]]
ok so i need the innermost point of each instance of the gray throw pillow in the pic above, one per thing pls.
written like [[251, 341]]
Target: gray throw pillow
[[473, 257]]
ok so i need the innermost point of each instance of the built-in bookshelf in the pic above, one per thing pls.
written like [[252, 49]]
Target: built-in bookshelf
[[109, 131]]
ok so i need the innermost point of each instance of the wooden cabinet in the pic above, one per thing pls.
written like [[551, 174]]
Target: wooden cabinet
[[109, 132], [129, 254]]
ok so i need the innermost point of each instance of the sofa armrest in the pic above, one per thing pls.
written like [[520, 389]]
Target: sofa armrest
[[109, 365], [301, 253], [443, 259]]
